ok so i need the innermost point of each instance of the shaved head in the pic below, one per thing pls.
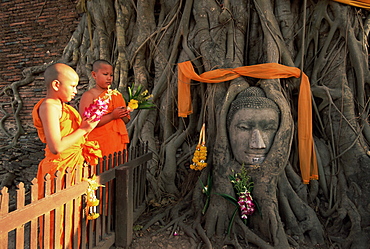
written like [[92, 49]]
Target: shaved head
[[60, 72], [97, 63]]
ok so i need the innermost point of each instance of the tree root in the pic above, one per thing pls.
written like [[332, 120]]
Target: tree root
[[252, 237], [203, 236]]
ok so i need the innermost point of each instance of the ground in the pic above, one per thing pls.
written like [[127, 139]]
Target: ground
[[157, 237], [165, 239]]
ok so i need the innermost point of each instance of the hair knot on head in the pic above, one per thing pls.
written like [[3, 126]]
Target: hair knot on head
[[251, 97]]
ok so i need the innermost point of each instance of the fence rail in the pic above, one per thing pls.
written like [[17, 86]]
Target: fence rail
[[122, 201]]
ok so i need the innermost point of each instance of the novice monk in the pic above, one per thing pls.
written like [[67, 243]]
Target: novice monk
[[111, 132], [59, 126]]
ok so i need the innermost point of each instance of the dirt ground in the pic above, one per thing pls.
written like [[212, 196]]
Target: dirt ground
[[158, 237], [151, 239]]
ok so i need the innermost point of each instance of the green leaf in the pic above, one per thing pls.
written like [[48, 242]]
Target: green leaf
[[231, 221], [146, 106], [129, 93], [229, 198], [138, 91], [208, 192], [210, 182]]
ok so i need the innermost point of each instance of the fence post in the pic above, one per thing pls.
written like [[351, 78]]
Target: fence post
[[124, 207]]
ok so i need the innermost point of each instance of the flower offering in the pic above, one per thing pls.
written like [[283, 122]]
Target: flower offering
[[200, 153], [246, 204], [100, 106], [243, 186], [91, 200], [140, 99]]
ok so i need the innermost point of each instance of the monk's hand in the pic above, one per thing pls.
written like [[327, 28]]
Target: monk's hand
[[120, 112], [88, 124]]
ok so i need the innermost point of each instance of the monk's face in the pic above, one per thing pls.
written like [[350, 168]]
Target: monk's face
[[68, 85], [103, 76], [252, 133]]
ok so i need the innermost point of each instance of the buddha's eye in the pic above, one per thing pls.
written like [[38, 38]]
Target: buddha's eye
[[244, 127], [270, 126]]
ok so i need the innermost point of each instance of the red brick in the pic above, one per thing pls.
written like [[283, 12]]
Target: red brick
[[21, 23]]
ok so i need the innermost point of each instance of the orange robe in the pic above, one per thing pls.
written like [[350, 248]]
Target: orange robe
[[72, 157], [112, 137], [306, 150]]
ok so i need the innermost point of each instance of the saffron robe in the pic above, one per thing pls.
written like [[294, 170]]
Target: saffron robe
[[72, 157], [112, 137]]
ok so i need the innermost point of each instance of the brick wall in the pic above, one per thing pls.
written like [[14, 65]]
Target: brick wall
[[32, 33]]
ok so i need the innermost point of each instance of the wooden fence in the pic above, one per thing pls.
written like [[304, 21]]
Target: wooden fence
[[122, 200]]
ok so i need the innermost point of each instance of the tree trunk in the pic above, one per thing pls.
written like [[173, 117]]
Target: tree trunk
[[145, 39]]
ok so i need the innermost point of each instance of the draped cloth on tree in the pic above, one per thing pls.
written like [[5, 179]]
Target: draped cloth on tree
[[307, 155], [112, 137], [72, 157], [357, 3]]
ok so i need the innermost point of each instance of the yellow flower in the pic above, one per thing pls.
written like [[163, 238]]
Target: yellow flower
[[93, 216], [91, 199], [109, 93], [92, 202], [93, 185], [199, 158], [133, 104]]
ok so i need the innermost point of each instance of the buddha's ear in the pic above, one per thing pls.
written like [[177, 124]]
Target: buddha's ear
[[55, 84]]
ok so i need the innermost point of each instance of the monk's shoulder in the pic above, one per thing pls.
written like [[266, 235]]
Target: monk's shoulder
[[50, 106], [50, 103], [90, 94]]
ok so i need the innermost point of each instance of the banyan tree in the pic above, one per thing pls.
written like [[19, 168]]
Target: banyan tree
[[220, 41]]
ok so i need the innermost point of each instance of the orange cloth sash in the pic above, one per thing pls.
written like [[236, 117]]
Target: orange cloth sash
[[112, 137], [357, 3], [307, 155]]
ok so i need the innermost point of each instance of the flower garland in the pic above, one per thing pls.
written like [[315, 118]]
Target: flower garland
[[91, 200], [100, 106], [139, 99], [243, 186], [200, 153]]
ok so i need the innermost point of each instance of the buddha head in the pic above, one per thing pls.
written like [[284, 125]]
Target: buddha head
[[253, 120]]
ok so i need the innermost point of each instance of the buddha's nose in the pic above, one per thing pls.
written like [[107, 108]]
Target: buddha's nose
[[256, 140]]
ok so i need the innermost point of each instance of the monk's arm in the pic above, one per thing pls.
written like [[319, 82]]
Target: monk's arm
[[50, 115], [86, 99]]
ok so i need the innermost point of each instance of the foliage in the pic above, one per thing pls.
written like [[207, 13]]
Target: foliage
[[139, 98]]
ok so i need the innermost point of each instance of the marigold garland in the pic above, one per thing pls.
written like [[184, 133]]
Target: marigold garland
[[200, 153], [91, 200]]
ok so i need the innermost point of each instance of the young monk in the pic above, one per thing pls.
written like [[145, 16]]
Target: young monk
[[60, 126], [111, 132]]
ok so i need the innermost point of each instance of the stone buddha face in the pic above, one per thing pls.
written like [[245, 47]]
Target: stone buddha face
[[253, 121]]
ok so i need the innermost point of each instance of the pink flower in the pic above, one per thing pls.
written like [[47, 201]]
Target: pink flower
[[98, 108], [246, 204]]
